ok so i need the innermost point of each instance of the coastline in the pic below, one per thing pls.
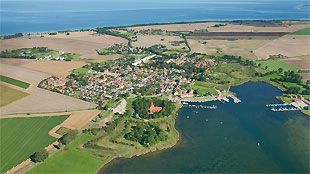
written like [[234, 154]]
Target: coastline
[[154, 24], [157, 147]]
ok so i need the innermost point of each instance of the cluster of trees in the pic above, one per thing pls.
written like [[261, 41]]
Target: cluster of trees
[[113, 33], [11, 36], [24, 53], [186, 43], [82, 79], [39, 156], [146, 134], [142, 105], [290, 76], [238, 59], [293, 90], [219, 25], [68, 137]]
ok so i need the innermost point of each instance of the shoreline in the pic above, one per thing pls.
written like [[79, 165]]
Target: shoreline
[[151, 149], [154, 24]]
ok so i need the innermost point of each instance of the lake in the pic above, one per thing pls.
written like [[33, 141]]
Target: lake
[[29, 16], [225, 140]]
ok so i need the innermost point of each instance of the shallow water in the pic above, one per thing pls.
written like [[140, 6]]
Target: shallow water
[[225, 140], [28, 16]]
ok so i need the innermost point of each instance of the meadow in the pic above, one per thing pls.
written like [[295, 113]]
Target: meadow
[[14, 82], [9, 95], [72, 160], [21, 137], [305, 31], [274, 65]]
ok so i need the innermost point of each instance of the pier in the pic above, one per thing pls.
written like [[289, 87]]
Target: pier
[[282, 107], [199, 106]]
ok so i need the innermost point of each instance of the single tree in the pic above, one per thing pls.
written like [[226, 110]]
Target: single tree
[[280, 70]]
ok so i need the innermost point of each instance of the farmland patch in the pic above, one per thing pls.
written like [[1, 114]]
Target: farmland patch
[[21, 137]]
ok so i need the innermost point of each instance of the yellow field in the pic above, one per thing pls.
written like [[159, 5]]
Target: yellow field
[[150, 40], [9, 95], [59, 68]]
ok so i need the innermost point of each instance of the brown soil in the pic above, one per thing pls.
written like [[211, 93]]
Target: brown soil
[[85, 43], [301, 62], [286, 45], [150, 40], [23, 74], [236, 47], [16, 62], [59, 68]]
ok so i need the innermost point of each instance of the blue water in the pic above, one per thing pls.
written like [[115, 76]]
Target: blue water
[[28, 16], [225, 140]]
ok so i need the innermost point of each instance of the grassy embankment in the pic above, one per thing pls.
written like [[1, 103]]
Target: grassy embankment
[[21, 137], [108, 146], [14, 82], [9, 95]]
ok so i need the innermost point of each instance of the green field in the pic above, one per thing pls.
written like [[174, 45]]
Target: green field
[[81, 71], [203, 90], [21, 137], [70, 161], [14, 82], [112, 144], [9, 95], [305, 31], [274, 65], [169, 53]]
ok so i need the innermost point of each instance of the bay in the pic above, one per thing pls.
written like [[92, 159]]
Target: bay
[[225, 140]]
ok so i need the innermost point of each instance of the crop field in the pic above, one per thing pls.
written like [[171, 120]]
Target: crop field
[[241, 48], [21, 137], [305, 31], [59, 68], [16, 62], [150, 40], [289, 46], [23, 73], [73, 160], [274, 65], [14, 82], [47, 101], [9, 95], [84, 43], [300, 62]]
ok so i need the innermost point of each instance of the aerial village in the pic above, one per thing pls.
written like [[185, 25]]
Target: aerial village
[[147, 72], [129, 75]]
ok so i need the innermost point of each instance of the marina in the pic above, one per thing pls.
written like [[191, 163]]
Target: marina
[[282, 107]]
